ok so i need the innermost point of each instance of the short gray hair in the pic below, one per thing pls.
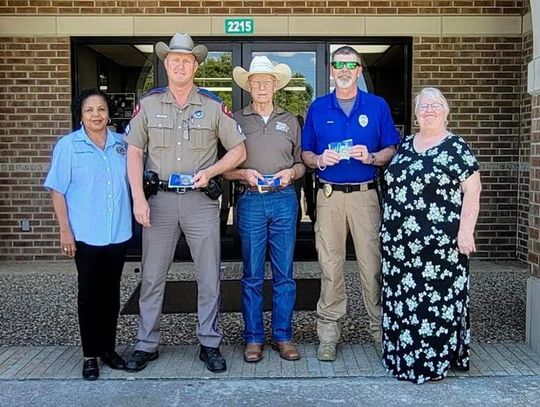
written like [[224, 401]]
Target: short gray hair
[[434, 94], [346, 50]]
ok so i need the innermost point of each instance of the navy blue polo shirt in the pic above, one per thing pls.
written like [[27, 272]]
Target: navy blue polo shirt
[[369, 123]]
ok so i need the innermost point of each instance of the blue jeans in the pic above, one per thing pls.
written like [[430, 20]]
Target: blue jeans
[[268, 219]]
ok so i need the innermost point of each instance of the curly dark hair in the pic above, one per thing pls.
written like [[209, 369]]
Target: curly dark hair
[[79, 101]]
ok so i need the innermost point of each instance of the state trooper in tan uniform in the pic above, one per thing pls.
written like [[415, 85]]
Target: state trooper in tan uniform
[[180, 126]]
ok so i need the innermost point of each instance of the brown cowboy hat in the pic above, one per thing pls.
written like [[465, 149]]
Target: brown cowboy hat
[[182, 43]]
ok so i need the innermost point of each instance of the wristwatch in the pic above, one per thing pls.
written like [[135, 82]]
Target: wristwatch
[[372, 158]]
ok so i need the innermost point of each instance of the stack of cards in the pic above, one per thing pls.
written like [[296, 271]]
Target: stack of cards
[[342, 148], [181, 181], [268, 183]]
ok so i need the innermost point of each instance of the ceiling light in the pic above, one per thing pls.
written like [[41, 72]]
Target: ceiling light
[[145, 48], [363, 49]]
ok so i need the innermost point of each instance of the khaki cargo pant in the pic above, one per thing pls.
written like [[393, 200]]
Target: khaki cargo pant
[[358, 212]]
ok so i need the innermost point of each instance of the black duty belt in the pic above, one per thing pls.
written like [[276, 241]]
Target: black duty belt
[[164, 186], [346, 188]]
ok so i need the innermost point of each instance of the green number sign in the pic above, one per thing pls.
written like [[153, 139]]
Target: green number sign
[[240, 26]]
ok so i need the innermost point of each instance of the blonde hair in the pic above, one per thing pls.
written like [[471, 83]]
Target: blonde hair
[[434, 94]]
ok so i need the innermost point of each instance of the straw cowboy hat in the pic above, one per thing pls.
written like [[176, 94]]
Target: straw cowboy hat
[[261, 64], [182, 43]]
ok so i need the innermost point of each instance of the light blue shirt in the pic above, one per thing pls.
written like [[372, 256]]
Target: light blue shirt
[[95, 185]]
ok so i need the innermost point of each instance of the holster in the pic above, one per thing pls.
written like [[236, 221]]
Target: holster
[[238, 190], [214, 189], [150, 183]]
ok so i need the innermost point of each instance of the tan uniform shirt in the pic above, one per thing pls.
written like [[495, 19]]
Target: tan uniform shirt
[[182, 139], [271, 146]]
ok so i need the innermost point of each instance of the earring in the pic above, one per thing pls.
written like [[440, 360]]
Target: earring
[[415, 123], [446, 123], [110, 121]]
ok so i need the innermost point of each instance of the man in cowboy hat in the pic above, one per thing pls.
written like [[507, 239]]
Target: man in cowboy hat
[[267, 216], [180, 126], [347, 135]]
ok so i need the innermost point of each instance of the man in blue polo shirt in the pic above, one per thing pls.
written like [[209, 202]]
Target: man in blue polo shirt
[[347, 135]]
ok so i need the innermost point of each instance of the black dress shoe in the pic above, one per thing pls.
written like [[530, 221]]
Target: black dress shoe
[[90, 370], [113, 360], [213, 359], [139, 359]]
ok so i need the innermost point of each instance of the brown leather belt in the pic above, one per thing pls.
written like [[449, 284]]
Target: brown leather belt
[[346, 188], [256, 189]]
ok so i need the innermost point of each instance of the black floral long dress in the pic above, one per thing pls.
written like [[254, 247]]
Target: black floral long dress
[[425, 278]]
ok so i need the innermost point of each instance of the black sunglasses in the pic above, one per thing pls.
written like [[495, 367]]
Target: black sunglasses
[[349, 65]]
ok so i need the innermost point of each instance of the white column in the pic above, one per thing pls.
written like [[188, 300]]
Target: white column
[[533, 78], [533, 87]]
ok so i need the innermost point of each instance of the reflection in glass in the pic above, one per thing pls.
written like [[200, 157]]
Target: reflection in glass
[[215, 75], [382, 74], [299, 93], [124, 71]]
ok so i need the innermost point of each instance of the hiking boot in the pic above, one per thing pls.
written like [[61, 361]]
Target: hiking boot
[[327, 351]]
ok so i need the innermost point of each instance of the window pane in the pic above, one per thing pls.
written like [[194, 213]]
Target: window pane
[[124, 71], [299, 93], [215, 74], [383, 67]]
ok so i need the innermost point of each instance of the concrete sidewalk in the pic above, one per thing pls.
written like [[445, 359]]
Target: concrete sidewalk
[[500, 375], [182, 362], [346, 392], [37, 294]]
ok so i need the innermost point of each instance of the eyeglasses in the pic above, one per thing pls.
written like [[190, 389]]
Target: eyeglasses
[[261, 83], [426, 106], [350, 65]]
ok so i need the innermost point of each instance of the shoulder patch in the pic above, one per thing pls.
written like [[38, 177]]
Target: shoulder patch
[[136, 110], [154, 91], [208, 94], [225, 109]]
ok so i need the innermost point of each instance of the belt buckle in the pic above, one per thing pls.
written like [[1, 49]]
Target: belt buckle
[[364, 186], [180, 190], [327, 190]]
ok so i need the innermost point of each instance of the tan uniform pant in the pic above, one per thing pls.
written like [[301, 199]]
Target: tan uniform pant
[[171, 214], [359, 213]]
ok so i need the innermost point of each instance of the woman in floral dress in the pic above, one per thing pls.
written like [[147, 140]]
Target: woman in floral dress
[[430, 212]]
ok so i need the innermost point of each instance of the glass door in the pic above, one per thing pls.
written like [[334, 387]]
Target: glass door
[[307, 63], [127, 68]]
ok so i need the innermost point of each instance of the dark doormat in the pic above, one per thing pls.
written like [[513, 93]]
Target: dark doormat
[[181, 296]]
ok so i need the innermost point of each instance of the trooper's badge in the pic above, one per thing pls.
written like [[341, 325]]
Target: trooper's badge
[[327, 190]]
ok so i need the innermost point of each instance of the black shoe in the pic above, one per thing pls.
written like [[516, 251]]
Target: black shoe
[[139, 359], [113, 360], [90, 370], [213, 359]]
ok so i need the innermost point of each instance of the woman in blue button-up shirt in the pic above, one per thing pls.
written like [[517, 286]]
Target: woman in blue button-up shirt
[[90, 196]]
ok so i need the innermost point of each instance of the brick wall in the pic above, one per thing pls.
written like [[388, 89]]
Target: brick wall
[[401, 7], [482, 79], [534, 192], [524, 155], [35, 106]]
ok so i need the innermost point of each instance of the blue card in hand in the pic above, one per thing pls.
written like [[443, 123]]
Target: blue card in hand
[[268, 183], [180, 180]]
